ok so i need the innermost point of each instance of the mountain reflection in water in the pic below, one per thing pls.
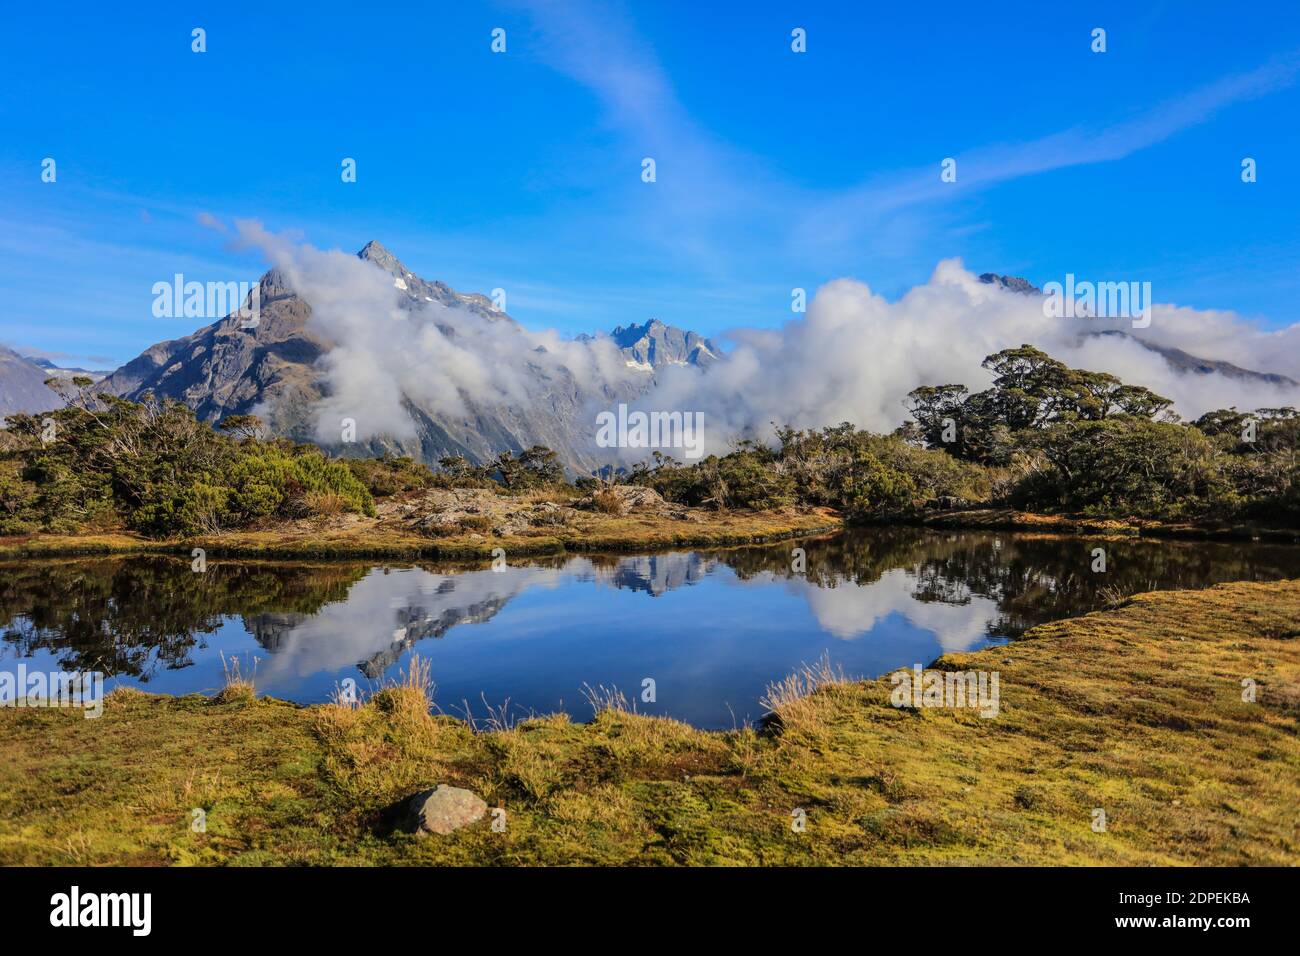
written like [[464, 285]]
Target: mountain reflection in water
[[710, 627]]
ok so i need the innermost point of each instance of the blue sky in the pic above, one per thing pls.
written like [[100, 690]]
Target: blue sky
[[523, 170]]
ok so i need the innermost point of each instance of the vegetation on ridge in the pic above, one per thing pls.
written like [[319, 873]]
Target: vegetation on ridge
[[1043, 437]]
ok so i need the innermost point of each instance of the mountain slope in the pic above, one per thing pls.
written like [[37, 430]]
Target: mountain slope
[[1180, 361], [22, 385], [226, 369], [1188, 363]]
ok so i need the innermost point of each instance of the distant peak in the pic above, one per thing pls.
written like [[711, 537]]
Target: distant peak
[[655, 343], [1010, 283], [375, 252], [634, 331]]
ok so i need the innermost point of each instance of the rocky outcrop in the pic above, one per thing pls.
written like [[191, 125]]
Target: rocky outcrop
[[1185, 362], [1178, 360], [1010, 283]]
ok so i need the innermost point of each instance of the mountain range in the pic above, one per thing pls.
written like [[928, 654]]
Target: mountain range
[[274, 370], [70, 371], [271, 370]]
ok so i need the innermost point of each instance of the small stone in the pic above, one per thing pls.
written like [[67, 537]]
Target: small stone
[[444, 810]]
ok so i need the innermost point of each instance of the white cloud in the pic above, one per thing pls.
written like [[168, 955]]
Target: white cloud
[[853, 357]]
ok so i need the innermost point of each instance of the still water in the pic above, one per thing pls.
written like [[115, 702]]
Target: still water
[[711, 628]]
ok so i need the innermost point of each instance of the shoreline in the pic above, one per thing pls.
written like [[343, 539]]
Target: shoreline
[[645, 533], [1009, 519], [1187, 771], [731, 530]]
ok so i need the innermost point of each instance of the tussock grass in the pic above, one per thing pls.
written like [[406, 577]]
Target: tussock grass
[[411, 694], [239, 686], [1112, 597], [496, 718], [607, 502], [601, 698], [786, 699], [1137, 710], [327, 503]]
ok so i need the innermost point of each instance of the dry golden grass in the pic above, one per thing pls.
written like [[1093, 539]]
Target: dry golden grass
[[785, 697], [607, 502], [350, 535], [326, 503], [238, 680]]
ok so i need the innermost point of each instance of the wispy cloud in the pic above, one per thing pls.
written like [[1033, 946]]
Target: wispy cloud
[[842, 215], [701, 202], [698, 196]]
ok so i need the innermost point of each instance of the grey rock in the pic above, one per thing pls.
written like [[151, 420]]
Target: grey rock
[[444, 810], [655, 345], [1180, 361]]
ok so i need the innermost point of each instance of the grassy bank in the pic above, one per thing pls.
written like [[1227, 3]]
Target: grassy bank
[[362, 539], [1137, 711], [1009, 519], [371, 539]]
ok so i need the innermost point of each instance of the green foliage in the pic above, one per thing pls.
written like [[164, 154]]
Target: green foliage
[[1128, 465], [528, 470], [17, 498], [859, 473], [1079, 441], [748, 480], [1043, 436], [154, 468], [868, 489], [1030, 391]]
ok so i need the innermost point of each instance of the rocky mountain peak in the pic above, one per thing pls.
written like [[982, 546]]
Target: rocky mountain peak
[[273, 370], [374, 251], [1011, 283], [654, 344], [419, 291]]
